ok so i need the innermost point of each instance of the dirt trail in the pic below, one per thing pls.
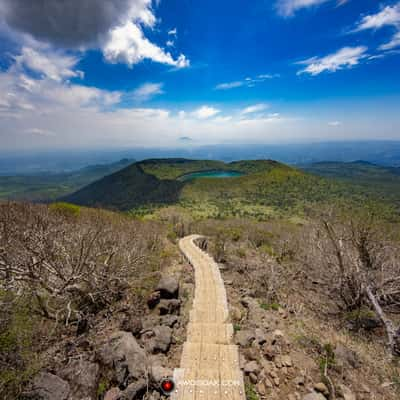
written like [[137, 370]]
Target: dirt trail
[[210, 362]]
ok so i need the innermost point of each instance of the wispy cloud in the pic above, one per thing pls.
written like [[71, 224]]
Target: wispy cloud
[[287, 8], [387, 16], [347, 57], [254, 109], [392, 44], [147, 91], [230, 85], [334, 124], [247, 82]]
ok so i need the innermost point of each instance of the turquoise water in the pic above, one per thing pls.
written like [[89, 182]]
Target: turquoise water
[[209, 174]]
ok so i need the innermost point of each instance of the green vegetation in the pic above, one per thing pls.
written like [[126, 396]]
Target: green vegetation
[[267, 189], [251, 393], [371, 179], [173, 168], [17, 332], [127, 189], [270, 306], [45, 187], [65, 209]]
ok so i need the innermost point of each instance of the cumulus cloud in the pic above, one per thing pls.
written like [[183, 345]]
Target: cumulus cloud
[[49, 87], [288, 8], [205, 112], [147, 91], [347, 57], [114, 26], [49, 64], [73, 23], [128, 44]]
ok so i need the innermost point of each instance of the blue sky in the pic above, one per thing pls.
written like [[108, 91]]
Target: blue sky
[[128, 73]]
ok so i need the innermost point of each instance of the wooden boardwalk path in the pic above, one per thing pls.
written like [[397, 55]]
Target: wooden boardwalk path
[[210, 362]]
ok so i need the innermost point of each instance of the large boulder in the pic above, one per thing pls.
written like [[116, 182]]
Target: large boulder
[[153, 299], [171, 306], [135, 390], [132, 324], [83, 378], [158, 339], [124, 354], [168, 287], [47, 386]]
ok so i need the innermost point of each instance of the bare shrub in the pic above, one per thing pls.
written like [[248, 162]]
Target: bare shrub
[[71, 266], [360, 258]]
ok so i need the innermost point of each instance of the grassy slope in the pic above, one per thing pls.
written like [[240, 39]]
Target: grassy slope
[[371, 179], [267, 188], [126, 189], [53, 186]]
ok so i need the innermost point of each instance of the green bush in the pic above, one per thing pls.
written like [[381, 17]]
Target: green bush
[[251, 394], [17, 358], [67, 209]]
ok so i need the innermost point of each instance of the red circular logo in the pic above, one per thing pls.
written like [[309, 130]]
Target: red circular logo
[[167, 385]]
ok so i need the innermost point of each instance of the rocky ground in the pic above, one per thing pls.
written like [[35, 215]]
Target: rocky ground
[[286, 353], [129, 357], [287, 356]]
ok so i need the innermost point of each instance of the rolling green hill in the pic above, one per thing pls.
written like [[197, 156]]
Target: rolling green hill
[[126, 189], [371, 179], [266, 188], [47, 187]]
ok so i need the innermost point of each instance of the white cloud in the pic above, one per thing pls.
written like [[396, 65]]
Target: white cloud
[[173, 32], [147, 91], [287, 8], [347, 57], [254, 109], [116, 29], [22, 91], [128, 44], [205, 112], [248, 82], [392, 44], [389, 15], [52, 65], [268, 76], [170, 43], [334, 124], [229, 85]]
